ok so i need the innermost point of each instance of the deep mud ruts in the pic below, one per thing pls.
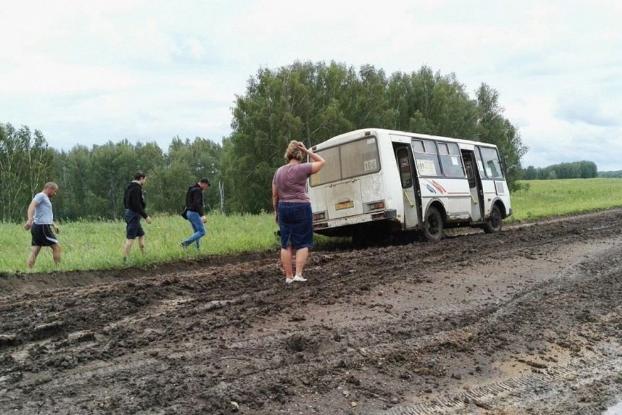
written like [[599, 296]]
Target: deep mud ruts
[[525, 321]]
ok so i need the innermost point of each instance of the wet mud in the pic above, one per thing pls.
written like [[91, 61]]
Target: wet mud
[[525, 321]]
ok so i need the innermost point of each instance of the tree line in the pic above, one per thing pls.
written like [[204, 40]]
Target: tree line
[[574, 170], [307, 101], [92, 180], [610, 174]]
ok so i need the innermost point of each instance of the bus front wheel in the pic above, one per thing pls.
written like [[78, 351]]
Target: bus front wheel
[[495, 221], [433, 225]]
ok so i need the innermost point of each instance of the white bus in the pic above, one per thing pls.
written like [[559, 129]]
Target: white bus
[[377, 183]]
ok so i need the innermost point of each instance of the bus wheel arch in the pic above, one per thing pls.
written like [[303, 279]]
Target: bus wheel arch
[[494, 222], [434, 222]]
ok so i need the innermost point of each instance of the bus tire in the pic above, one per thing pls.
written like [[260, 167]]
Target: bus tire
[[433, 225], [494, 223]]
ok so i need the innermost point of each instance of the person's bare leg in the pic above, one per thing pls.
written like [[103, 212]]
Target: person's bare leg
[[127, 247], [141, 244], [33, 256], [56, 251], [301, 260], [286, 262]]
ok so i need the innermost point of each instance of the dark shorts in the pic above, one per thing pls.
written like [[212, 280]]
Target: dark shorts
[[133, 229], [296, 225], [42, 235]]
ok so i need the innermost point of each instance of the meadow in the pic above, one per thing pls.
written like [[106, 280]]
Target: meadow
[[552, 198], [98, 244]]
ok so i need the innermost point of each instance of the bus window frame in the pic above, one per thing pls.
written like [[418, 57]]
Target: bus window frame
[[479, 147], [410, 167], [367, 137], [459, 155], [441, 176]]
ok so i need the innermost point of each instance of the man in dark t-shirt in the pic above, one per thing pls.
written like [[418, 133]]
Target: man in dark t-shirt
[[134, 203], [195, 212]]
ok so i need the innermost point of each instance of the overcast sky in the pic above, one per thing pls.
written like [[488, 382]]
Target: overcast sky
[[91, 71]]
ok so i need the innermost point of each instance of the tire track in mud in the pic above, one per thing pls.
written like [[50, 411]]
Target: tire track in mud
[[550, 380], [535, 386], [191, 342]]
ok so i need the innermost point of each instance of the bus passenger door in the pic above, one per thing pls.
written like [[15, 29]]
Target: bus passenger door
[[411, 198], [475, 185]]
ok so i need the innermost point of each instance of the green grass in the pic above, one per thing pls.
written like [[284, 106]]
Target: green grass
[[98, 245], [551, 198]]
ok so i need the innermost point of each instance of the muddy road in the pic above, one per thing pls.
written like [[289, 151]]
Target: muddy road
[[525, 321]]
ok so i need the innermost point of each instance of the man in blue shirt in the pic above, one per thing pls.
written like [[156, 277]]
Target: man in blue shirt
[[41, 224]]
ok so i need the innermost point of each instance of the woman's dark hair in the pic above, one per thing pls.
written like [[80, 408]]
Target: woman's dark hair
[[204, 180], [139, 175]]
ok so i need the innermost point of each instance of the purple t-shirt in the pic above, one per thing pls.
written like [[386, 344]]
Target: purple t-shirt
[[291, 182]]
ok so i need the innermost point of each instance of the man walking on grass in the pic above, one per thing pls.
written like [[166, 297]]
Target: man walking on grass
[[195, 212], [41, 224], [134, 202]]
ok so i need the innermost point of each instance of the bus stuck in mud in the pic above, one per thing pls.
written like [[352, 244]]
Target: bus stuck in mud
[[379, 184]]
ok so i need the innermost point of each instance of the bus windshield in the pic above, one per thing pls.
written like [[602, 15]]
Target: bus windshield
[[352, 159]]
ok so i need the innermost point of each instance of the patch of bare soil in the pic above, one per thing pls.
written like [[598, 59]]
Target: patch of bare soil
[[524, 321]]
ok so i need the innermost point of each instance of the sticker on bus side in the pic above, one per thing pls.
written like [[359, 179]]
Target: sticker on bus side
[[370, 165], [426, 167]]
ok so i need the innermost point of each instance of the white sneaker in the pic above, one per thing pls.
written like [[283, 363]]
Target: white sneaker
[[289, 280], [299, 278]]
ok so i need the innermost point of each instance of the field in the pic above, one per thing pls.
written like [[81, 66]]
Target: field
[[549, 198], [97, 245]]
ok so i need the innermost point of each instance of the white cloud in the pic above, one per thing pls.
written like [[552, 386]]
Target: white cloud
[[142, 69]]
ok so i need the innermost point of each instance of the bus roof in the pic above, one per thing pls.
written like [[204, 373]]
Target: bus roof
[[353, 135]]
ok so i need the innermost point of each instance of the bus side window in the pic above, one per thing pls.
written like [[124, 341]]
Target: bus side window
[[417, 146], [480, 164], [426, 161], [491, 163], [450, 159], [403, 162]]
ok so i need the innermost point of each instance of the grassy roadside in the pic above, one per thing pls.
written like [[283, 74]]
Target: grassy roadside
[[97, 245], [552, 198]]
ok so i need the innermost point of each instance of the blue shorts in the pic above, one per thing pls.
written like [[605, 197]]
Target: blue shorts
[[133, 228], [296, 225]]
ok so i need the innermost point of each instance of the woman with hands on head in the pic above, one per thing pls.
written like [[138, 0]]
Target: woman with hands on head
[[292, 207]]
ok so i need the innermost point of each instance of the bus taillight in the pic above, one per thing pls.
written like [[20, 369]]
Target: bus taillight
[[374, 206], [317, 216]]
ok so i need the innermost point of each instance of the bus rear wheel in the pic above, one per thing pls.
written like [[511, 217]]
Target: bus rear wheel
[[494, 223], [433, 225]]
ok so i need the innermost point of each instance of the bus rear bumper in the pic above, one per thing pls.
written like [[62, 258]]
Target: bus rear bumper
[[388, 214]]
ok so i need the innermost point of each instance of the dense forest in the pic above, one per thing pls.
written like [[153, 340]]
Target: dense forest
[[307, 101], [574, 170], [92, 180]]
